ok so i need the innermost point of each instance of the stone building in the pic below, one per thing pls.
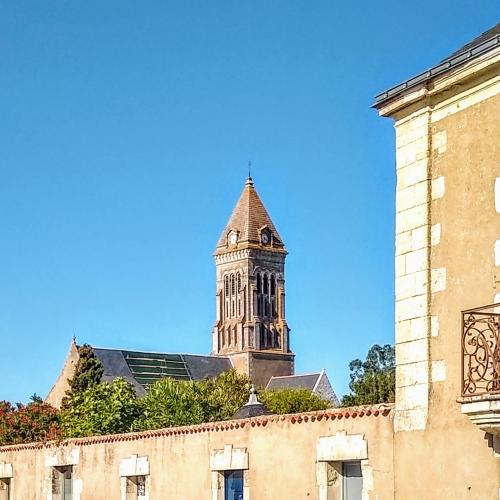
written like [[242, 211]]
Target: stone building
[[440, 440], [447, 124], [250, 334], [251, 326]]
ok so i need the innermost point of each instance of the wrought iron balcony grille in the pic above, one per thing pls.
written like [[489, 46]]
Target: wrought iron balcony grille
[[481, 351]]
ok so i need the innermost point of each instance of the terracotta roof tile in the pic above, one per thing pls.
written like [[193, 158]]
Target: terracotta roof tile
[[382, 410]]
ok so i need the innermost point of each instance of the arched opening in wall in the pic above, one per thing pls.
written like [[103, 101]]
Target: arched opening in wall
[[226, 296], [266, 284], [238, 282], [259, 283], [269, 336], [273, 285], [233, 285], [263, 337]]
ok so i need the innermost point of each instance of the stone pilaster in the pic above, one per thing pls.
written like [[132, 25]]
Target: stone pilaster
[[413, 273]]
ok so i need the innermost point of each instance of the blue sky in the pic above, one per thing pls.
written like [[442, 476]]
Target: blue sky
[[126, 128]]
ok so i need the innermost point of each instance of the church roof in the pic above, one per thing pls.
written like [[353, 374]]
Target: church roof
[[142, 369], [308, 381], [486, 42], [248, 219], [317, 383]]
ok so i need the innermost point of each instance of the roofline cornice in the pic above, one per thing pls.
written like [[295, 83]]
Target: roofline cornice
[[420, 85]]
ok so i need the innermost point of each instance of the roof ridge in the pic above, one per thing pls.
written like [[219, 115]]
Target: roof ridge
[[296, 375], [158, 352]]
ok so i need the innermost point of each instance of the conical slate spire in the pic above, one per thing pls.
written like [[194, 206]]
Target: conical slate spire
[[248, 220]]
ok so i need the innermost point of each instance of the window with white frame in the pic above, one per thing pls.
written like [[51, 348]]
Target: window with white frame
[[62, 482], [352, 480], [5, 488], [229, 468], [343, 481], [233, 484], [341, 460], [136, 488], [134, 478]]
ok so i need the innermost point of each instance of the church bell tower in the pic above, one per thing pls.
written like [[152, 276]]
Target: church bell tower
[[250, 325]]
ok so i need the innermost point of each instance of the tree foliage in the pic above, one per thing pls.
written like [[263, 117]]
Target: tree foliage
[[283, 401], [88, 372], [222, 396], [92, 408], [105, 408], [372, 380], [36, 421], [171, 402]]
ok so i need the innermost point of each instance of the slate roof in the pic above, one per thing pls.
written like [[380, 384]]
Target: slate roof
[[254, 408], [142, 369], [483, 37], [308, 381], [487, 41], [248, 217]]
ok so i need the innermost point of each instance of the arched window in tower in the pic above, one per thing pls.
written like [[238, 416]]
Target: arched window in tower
[[259, 283], [266, 284], [226, 296], [233, 285], [238, 282], [273, 285]]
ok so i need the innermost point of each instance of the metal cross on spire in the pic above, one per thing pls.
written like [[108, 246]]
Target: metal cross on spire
[[249, 181]]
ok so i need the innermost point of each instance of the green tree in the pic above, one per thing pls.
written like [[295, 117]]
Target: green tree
[[172, 402], [88, 372], [36, 421], [223, 395], [105, 408], [283, 401], [372, 380]]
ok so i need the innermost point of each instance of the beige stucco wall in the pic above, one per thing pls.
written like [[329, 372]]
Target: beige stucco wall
[[448, 162], [281, 453]]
